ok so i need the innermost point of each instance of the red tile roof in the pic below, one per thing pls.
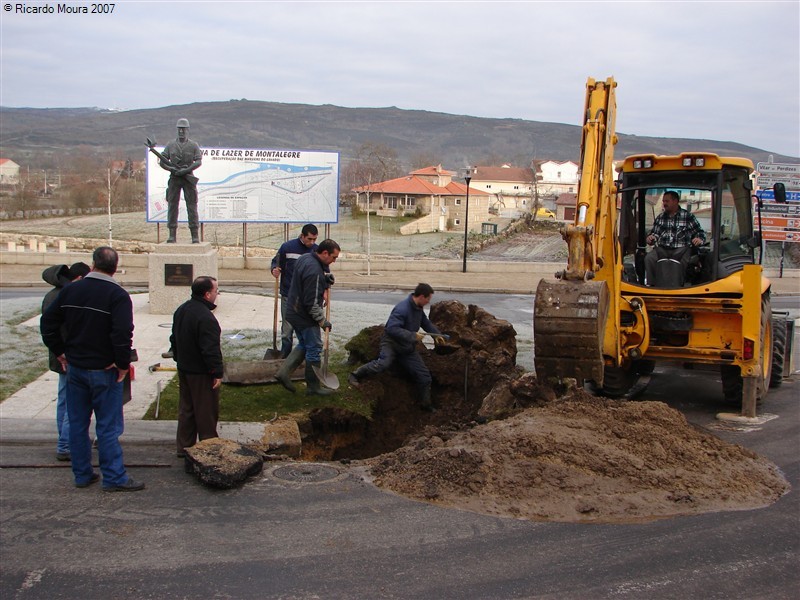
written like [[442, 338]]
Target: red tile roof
[[519, 174], [411, 184], [433, 170]]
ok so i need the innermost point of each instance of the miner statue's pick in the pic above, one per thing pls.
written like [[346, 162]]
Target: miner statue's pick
[[180, 158]]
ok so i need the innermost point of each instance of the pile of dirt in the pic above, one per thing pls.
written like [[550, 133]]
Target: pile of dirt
[[503, 443], [579, 458]]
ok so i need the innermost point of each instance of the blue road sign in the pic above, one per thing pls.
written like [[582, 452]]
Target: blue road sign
[[770, 195]]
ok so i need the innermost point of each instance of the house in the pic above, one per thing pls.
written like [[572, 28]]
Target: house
[[9, 171], [566, 206], [429, 193], [512, 187], [557, 177]]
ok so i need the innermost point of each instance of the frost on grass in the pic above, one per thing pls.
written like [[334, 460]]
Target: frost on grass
[[23, 355]]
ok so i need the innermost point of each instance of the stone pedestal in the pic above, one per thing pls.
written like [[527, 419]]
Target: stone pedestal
[[172, 269]]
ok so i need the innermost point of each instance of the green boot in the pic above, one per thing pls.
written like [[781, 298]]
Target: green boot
[[313, 387], [284, 374]]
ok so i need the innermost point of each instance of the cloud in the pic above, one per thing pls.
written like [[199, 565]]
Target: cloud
[[717, 70]]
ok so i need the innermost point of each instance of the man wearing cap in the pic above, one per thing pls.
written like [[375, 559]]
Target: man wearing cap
[[182, 156], [59, 276], [96, 353]]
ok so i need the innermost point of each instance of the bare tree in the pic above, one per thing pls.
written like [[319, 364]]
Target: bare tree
[[425, 158]]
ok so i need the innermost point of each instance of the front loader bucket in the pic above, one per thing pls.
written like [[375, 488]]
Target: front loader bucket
[[569, 319]]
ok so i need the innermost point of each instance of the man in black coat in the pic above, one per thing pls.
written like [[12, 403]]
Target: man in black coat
[[195, 344]]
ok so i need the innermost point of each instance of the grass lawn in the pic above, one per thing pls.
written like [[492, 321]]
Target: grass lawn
[[258, 403]]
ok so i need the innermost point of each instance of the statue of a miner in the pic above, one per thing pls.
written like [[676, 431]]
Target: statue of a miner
[[180, 158]]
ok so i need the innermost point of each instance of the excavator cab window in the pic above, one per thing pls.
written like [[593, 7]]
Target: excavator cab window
[[720, 202]]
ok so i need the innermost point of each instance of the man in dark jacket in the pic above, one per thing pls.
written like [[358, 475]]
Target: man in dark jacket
[[59, 276], [306, 313], [399, 343], [195, 343], [96, 353], [283, 267]]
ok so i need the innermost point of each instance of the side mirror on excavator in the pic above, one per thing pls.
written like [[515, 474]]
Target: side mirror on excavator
[[780, 193]]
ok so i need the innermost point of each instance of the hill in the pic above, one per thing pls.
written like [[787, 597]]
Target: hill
[[453, 140]]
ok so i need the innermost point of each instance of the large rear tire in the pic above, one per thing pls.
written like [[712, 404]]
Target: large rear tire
[[778, 350]]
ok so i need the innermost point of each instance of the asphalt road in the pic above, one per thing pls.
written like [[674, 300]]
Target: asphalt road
[[343, 538]]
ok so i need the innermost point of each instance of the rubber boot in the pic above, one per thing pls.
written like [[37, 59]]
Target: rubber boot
[[313, 386], [195, 236], [171, 239], [425, 399], [284, 374]]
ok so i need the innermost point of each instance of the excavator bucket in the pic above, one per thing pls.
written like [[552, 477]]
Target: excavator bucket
[[569, 319]]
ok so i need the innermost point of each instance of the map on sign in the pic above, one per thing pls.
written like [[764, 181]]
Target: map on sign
[[245, 185]]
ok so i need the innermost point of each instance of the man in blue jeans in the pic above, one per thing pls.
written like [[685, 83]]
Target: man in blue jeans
[[305, 312], [59, 276], [95, 352], [283, 267]]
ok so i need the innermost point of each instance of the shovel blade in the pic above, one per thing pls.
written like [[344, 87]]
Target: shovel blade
[[329, 380], [272, 354]]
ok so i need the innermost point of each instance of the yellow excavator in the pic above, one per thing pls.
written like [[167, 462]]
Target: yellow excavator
[[609, 316]]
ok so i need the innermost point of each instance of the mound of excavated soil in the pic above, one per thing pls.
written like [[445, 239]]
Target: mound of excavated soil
[[545, 454], [581, 458]]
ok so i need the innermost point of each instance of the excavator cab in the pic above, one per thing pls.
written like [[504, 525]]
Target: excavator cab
[[717, 192]]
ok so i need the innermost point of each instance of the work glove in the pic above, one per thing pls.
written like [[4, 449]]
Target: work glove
[[438, 339], [326, 325], [330, 278], [420, 336]]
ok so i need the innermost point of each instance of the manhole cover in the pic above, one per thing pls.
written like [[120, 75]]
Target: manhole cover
[[309, 473]]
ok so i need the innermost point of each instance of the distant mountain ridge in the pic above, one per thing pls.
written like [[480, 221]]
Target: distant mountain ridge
[[452, 140]]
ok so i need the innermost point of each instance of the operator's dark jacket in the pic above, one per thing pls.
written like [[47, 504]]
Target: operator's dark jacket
[[306, 294], [58, 277], [195, 339], [403, 324], [98, 314]]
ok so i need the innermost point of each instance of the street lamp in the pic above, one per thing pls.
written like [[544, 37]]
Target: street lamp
[[467, 178]]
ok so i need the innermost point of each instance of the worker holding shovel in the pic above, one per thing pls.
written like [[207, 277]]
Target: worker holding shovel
[[283, 268], [399, 343], [306, 313]]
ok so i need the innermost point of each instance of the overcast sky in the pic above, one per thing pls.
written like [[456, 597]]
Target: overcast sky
[[718, 70]]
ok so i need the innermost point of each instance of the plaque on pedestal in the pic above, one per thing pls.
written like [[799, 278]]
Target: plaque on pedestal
[[172, 268]]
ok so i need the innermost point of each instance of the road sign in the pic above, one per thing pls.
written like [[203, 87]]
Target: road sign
[[778, 169], [780, 223], [770, 195], [780, 236], [792, 182]]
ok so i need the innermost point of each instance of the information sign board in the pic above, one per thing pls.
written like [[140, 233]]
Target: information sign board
[[248, 185]]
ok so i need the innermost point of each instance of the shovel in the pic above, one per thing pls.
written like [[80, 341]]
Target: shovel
[[273, 353], [329, 380]]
